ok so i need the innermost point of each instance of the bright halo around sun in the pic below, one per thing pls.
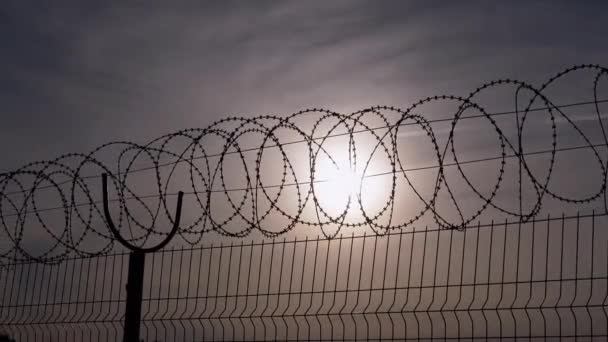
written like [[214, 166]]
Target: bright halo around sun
[[339, 180], [338, 177]]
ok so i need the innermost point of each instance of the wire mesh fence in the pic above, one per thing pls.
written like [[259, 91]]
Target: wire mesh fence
[[545, 279]]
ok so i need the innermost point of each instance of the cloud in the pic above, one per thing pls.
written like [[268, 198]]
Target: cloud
[[75, 77]]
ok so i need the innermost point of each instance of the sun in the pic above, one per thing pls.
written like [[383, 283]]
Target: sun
[[348, 189], [337, 182]]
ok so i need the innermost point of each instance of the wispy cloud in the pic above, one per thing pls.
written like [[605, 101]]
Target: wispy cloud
[[72, 73]]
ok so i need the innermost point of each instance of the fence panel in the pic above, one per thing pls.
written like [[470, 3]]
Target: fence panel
[[540, 280]]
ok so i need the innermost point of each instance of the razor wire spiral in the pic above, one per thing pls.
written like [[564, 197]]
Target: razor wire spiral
[[74, 178]]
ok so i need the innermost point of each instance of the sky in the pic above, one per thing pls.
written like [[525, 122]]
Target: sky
[[75, 75]]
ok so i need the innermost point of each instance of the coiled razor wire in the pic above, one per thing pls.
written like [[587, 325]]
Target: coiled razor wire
[[74, 178]]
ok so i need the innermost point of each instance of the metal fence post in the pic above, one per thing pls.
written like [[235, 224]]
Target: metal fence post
[[137, 259], [135, 286]]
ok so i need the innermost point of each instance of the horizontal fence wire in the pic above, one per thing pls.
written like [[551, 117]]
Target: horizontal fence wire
[[543, 279]]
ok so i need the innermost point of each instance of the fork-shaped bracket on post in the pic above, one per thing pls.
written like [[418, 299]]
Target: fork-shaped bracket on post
[[137, 261]]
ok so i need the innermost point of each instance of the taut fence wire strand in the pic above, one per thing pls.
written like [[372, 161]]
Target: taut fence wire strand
[[317, 181]]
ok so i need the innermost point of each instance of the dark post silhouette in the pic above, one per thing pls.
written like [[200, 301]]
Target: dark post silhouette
[[135, 285], [137, 261]]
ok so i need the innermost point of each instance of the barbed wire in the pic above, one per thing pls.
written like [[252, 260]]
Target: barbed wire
[[371, 135], [421, 168], [254, 149]]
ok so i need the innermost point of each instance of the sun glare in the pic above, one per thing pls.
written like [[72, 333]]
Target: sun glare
[[338, 180]]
